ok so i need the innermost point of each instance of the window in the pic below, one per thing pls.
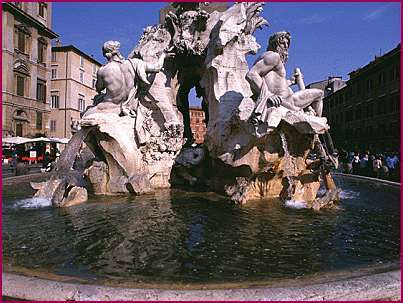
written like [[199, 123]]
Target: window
[[94, 82], [81, 76], [21, 41], [54, 57], [390, 106], [20, 85], [41, 51], [38, 120], [370, 109], [18, 130], [52, 125], [42, 9], [81, 62], [54, 73], [369, 84], [41, 91], [358, 113], [55, 101], [81, 103], [397, 103], [94, 69], [381, 78]]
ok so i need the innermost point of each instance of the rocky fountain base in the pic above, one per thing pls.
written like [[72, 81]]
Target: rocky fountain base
[[257, 144], [134, 141]]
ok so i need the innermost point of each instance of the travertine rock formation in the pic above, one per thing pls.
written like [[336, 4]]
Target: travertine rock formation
[[259, 133]]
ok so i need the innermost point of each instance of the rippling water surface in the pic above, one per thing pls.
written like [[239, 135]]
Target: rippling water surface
[[184, 237]]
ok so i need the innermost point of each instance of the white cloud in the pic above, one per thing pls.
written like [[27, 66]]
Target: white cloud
[[376, 13], [313, 19]]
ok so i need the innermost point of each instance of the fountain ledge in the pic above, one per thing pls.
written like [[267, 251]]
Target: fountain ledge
[[379, 286]]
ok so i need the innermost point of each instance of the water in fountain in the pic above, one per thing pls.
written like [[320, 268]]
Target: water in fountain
[[187, 237], [287, 168]]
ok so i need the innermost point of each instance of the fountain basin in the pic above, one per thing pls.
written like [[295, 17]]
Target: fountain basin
[[177, 244]]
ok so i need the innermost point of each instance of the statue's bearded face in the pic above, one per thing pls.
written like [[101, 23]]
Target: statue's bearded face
[[279, 43], [283, 43]]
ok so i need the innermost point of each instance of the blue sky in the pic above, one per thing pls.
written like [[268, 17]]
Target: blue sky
[[327, 38]]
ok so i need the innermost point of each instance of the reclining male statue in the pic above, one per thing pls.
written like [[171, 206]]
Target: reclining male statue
[[268, 81]]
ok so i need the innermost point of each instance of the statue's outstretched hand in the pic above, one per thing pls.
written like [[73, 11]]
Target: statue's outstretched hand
[[275, 100], [169, 55], [292, 81]]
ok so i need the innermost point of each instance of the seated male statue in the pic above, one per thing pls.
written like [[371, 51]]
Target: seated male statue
[[268, 82], [121, 79]]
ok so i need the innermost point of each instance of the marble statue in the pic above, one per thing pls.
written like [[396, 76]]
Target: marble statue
[[268, 81], [187, 24], [121, 78], [136, 138], [154, 42]]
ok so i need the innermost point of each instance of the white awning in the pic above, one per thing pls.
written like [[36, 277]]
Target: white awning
[[15, 140], [22, 140]]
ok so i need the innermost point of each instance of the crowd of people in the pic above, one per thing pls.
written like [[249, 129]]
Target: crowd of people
[[382, 165]]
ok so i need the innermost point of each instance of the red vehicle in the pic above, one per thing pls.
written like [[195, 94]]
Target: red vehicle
[[24, 155]]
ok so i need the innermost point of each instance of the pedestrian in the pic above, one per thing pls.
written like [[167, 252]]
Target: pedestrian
[[384, 172], [14, 159], [356, 163], [364, 165], [343, 160], [46, 162], [371, 160], [377, 164], [392, 162]]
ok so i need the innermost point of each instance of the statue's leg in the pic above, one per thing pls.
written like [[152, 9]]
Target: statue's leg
[[309, 97], [168, 112]]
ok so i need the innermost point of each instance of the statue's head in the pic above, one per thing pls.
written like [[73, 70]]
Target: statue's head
[[155, 40], [279, 43], [110, 49]]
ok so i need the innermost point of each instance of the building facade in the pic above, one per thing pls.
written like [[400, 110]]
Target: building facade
[[26, 56], [197, 124], [73, 75], [329, 86], [365, 114]]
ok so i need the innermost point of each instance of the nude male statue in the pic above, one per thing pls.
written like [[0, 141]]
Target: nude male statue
[[121, 78], [267, 79]]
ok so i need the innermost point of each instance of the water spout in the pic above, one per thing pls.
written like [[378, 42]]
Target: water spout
[[287, 168]]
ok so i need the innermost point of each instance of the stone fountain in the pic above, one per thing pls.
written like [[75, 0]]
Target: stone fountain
[[136, 139]]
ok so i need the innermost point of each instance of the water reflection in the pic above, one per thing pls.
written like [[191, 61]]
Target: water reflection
[[177, 236]]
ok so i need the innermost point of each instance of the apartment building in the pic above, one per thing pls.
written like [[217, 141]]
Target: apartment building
[[365, 114], [197, 124], [73, 75], [26, 56]]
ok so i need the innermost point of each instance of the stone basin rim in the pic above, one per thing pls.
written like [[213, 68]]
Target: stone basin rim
[[364, 286], [376, 282]]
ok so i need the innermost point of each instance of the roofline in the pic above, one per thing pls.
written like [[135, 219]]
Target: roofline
[[8, 6], [195, 108], [327, 80], [71, 47], [372, 63]]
